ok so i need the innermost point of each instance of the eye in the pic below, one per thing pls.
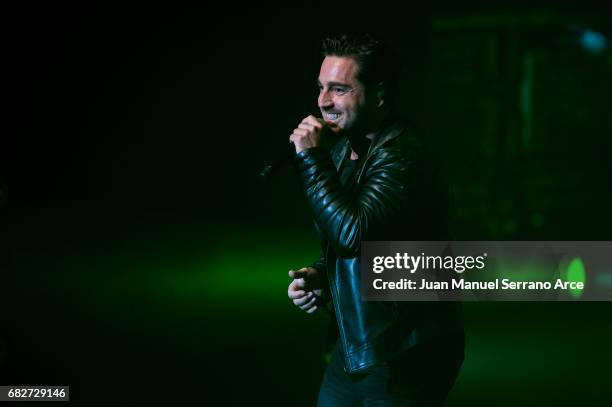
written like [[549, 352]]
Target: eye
[[339, 90]]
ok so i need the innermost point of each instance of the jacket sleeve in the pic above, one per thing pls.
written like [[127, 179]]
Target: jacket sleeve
[[320, 265], [345, 218]]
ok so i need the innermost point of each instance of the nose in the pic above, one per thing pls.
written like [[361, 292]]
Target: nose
[[325, 100]]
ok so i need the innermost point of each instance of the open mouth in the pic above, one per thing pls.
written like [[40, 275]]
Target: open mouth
[[332, 116]]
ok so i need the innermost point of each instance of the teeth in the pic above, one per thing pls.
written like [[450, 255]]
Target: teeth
[[333, 115]]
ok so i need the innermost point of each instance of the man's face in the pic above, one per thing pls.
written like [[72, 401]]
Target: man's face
[[341, 96]]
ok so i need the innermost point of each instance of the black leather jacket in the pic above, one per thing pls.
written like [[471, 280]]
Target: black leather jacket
[[394, 193]]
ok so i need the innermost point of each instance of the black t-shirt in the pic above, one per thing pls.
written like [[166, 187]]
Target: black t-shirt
[[346, 170]]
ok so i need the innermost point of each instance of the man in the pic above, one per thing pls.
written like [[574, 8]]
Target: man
[[366, 177]]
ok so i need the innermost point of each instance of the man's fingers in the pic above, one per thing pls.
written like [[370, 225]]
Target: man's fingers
[[302, 298], [301, 273], [311, 310], [297, 135], [294, 295], [296, 290], [306, 126], [313, 121], [300, 132], [305, 300], [309, 303], [298, 283]]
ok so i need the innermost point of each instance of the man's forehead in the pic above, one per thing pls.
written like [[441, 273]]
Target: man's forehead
[[338, 69]]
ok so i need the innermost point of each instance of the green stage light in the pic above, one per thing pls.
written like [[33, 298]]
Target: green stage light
[[575, 272]]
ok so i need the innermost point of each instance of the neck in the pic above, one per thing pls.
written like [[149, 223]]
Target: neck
[[360, 143], [359, 146]]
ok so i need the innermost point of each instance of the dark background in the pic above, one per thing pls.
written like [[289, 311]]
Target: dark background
[[141, 259]]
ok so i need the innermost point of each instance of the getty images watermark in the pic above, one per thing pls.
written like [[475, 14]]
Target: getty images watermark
[[486, 270]]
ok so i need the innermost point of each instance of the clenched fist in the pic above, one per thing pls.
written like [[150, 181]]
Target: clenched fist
[[305, 289], [307, 134]]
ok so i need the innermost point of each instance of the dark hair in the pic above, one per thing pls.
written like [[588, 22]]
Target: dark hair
[[376, 60]]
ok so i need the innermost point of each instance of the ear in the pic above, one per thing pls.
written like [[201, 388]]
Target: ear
[[381, 94]]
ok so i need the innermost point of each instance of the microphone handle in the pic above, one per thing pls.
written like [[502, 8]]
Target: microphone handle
[[272, 168]]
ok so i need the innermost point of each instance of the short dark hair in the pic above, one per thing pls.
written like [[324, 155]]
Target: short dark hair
[[377, 61]]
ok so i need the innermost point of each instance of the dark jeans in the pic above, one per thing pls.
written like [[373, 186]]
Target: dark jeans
[[420, 376]]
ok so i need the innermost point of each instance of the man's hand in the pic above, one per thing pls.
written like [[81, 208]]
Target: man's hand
[[307, 134], [305, 289]]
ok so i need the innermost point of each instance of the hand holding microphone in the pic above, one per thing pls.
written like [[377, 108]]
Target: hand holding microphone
[[309, 133]]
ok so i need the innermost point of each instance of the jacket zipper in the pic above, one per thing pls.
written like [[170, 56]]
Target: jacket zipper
[[339, 315]]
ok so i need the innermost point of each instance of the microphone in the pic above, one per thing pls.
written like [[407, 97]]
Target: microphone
[[272, 167], [284, 160]]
